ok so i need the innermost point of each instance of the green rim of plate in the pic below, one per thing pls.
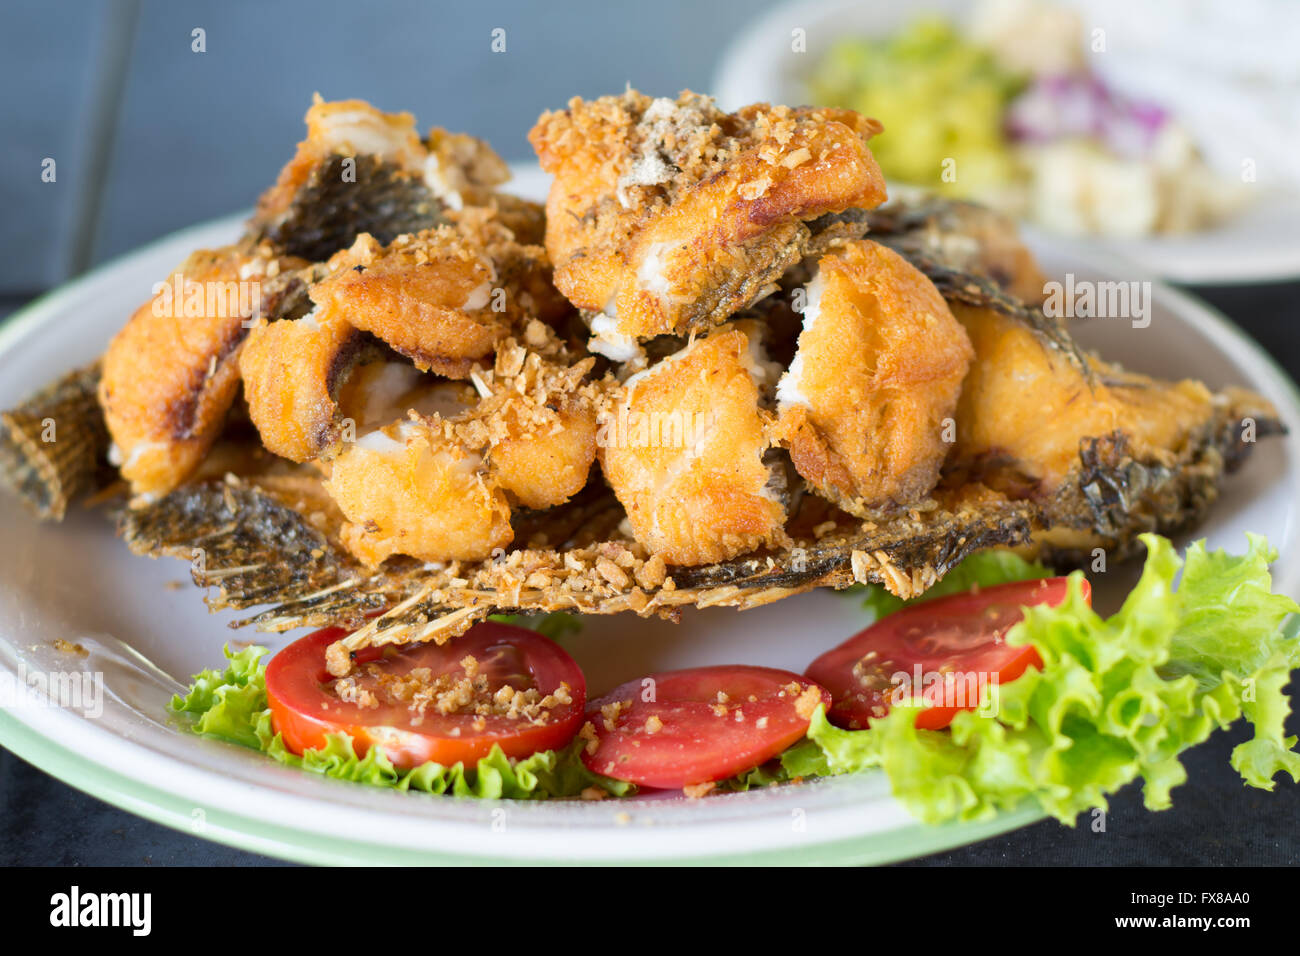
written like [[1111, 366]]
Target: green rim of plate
[[304, 846]]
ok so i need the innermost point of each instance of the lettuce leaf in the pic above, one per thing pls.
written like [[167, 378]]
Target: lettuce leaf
[[230, 705], [985, 568], [1118, 698], [227, 703]]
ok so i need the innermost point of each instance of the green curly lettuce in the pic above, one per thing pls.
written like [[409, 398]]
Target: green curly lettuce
[[1118, 699], [231, 705]]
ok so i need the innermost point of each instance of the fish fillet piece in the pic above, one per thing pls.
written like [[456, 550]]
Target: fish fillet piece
[[406, 489], [668, 216], [1104, 456], [444, 297], [1024, 410], [292, 372], [442, 488], [879, 365], [361, 170], [171, 374], [537, 426], [683, 448]]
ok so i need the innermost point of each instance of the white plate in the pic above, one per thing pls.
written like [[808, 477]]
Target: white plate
[[77, 582], [1260, 244]]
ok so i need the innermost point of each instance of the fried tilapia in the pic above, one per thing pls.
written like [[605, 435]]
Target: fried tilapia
[[669, 216], [422, 432]]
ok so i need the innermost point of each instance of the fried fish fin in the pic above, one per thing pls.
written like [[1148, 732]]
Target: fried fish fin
[[54, 446], [906, 554], [253, 546]]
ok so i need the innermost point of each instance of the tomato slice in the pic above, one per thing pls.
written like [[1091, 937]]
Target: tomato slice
[[463, 715], [949, 649], [696, 726]]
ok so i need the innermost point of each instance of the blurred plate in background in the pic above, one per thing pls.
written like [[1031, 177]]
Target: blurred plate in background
[[1258, 244]]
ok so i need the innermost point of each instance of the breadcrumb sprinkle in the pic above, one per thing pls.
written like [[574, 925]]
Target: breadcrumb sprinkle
[[465, 691]]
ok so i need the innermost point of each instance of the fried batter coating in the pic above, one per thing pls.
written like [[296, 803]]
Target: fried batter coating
[[443, 297], [292, 372], [878, 370], [683, 449], [1025, 410], [171, 374], [408, 490], [530, 440], [668, 216], [540, 424]]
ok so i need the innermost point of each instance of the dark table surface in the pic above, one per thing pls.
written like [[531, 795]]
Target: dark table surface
[[1215, 821]]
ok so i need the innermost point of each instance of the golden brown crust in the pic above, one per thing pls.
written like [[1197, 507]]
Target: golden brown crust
[[425, 496], [441, 488], [1025, 410], [444, 297], [292, 372], [672, 215], [171, 374], [683, 448], [876, 377]]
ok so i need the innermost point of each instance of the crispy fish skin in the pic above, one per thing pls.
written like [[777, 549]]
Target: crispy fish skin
[[170, 375], [670, 215], [683, 450], [361, 170], [878, 369], [343, 128], [964, 237], [1115, 494]]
